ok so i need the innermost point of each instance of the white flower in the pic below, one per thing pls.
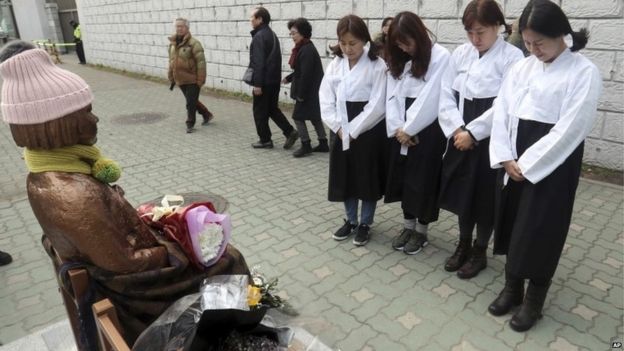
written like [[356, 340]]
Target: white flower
[[210, 239]]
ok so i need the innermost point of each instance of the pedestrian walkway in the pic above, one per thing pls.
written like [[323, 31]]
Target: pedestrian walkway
[[354, 298]]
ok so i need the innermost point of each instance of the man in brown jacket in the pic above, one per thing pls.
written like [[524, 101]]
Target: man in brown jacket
[[187, 69]]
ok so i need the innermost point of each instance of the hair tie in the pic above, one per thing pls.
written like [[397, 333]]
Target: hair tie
[[569, 40]]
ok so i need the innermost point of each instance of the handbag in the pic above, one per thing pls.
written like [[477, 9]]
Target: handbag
[[248, 76]]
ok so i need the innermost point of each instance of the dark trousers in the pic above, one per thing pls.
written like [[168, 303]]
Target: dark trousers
[[193, 105], [80, 52], [265, 106]]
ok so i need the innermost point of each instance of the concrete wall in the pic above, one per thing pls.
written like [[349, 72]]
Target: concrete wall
[[54, 23], [132, 35], [31, 19]]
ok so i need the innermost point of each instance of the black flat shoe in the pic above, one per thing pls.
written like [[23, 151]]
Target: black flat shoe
[[262, 145]]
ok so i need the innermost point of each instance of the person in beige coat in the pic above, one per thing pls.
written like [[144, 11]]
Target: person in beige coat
[[187, 69]]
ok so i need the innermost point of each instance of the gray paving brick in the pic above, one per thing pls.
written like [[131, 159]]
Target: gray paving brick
[[420, 335], [451, 334], [389, 327], [345, 322], [600, 306], [9, 330], [480, 320], [511, 338], [606, 327], [484, 341], [382, 342], [569, 318], [582, 340], [357, 338], [370, 308], [566, 299]]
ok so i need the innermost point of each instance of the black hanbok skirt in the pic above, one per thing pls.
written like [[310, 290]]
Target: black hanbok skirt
[[414, 179], [468, 182], [532, 220], [360, 171]]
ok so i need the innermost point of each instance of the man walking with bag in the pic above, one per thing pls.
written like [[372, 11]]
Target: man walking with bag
[[187, 69], [264, 74]]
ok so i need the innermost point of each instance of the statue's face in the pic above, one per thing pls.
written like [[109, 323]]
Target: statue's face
[[78, 127], [87, 129]]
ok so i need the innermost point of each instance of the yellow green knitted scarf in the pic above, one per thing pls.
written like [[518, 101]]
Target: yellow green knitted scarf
[[73, 159]]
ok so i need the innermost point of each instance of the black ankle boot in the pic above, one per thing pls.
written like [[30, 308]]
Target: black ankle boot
[[459, 257], [475, 264], [531, 309], [304, 150], [509, 297], [322, 146]]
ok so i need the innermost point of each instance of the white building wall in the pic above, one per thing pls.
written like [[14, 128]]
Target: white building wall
[[54, 24], [31, 19], [132, 35]]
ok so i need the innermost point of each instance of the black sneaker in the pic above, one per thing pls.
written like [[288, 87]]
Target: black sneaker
[[5, 258], [362, 235], [399, 241], [415, 243], [190, 130], [344, 231], [291, 139]]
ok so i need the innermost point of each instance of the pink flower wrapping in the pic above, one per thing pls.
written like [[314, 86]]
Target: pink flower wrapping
[[201, 226]]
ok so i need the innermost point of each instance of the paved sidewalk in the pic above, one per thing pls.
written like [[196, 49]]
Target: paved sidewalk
[[368, 298]]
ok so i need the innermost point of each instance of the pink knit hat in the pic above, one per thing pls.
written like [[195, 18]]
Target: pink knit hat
[[35, 90]]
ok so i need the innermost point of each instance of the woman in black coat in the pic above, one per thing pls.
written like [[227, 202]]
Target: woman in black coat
[[306, 80]]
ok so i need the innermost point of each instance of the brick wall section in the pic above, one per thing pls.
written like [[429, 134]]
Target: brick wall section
[[132, 35]]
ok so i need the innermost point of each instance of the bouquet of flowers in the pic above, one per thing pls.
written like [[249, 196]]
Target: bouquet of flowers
[[202, 233], [225, 315], [261, 292], [210, 232]]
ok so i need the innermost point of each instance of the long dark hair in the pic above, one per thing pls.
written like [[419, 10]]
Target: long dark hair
[[356, 26], [486, 12], [383, 36], [408, 25], [546, 18]]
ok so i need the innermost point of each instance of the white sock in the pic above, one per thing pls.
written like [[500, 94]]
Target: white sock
[[422, 228], [409, 224]]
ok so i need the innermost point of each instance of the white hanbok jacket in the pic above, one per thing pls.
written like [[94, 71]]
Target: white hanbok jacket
[[563, 93], [424, 110], [366, 81], [474, 78]]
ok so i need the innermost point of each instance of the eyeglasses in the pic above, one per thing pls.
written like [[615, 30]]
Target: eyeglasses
[[293, 33]]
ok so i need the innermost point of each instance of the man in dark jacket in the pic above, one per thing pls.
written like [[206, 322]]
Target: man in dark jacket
[[265, 58]]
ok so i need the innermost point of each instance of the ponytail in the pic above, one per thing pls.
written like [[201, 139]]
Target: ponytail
[[508, 29], [579, 39], [373, 51], [356, 26], [547, 18]]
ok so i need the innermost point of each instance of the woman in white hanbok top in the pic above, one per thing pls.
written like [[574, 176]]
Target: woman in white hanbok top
[[416, 65], [544, 110], [352, 97], [469, 85]]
